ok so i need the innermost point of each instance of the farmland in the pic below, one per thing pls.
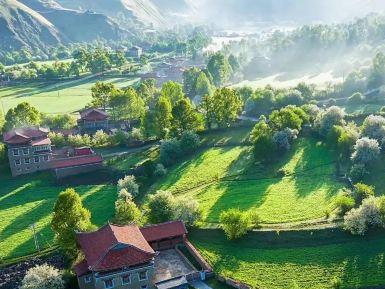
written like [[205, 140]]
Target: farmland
[[56, 98], [298, 259], [224, 178], [30, 200]]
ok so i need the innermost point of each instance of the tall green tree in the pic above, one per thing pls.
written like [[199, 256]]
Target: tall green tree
[[126, 212], [101, 94], [185, 117], [222, 108], [190, 77], [147, 90], [23, 114], [69, 217], [163, 117], [377, 74], [262, 138], [203, 85], [173, 91], [126, 105], [220, 69], [148, 124]]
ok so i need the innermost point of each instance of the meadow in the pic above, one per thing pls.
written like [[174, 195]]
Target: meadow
[[300, 186], [297, 259], [29, 200], [57, 97]]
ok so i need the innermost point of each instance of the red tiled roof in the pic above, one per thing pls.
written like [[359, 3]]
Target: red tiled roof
[[93, 114], [81, 268], [163, 231], [113, 247], [41, 142], [76, 161], [24, 135], [85, 151]]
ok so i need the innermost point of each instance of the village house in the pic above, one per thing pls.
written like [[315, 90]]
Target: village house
[[135, 52], [92, 120], [130, 257], [30, 150]]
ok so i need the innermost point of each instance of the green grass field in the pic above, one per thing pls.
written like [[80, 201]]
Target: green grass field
[[223, 178], [289, 260], [56, 98], [28, 200]]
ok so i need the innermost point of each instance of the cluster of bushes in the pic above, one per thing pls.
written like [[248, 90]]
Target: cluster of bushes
[[236, 223], [278, 133], [99, 139], [43, 277]]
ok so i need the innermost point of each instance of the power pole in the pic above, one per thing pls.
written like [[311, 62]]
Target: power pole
[[33, 228]]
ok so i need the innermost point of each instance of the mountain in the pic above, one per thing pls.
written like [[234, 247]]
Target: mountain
[[22, 26]]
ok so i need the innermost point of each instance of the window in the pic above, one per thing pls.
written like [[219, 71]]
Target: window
[[109, 283], [143, 287], [36, 159], [27, 161], [17, 162], [46, 158], [15, 152], [87, 279], [126, 279], [143, 275], [25, 151]]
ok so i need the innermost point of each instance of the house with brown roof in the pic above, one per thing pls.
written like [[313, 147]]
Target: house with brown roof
[[128, 257], [92, 120], [30, 150]]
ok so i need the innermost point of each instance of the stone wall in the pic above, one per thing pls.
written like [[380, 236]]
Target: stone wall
[[11, 276]]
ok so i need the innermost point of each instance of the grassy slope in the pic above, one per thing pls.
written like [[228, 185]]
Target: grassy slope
[[28, 200], [309, 260], [45, 97], [306, 193]]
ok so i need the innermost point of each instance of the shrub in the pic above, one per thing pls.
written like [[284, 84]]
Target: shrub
[[160, 207], [362, 191], [120, 137], [356, 98], [57, 139], [126, 212], [42, 277], [368, 215], [332, 116], [136, 134], [344, 203], [234, 223], [188, 211], [189, 142], [100, 139], [374, 127], [366, 150], [358, 172], [129, 183], [170, 152], [79, 140], [284, 138], [160, 170], [125, 195]]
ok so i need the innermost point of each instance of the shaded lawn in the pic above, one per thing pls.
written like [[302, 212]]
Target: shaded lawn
[[228, 136], [224, 178], [296, 259], [47, 98], [28, 200]]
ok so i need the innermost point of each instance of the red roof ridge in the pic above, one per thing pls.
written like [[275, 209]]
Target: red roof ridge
[[162, 224]]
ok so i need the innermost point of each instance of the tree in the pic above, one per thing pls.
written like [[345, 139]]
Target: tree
[[263, 142], [173, 91], [222, 108], [185, 117], [332, 116], [126, 212], [22, 115], [98, 61], [170, 151], [220, 69], [284, 138], [148, 124], [147, 90], [101, 94], [126, 105], [129, 183], [235, 223], [234, 63], [161, 207], [306, 90], [366, 150], [189, 142], [203, 85], [163, 117], [377, 73], [285, 118], [188, 211], [374, 127], [344, 203], [42, 277], [190, 77], [69, 216]]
